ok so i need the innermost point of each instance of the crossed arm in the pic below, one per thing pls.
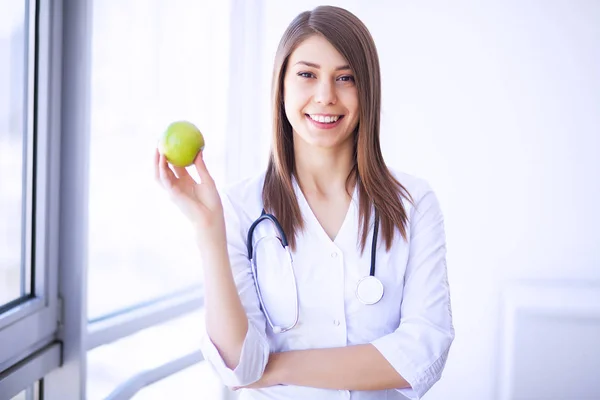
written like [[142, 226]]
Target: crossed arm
[[359, 367], [425, 337]]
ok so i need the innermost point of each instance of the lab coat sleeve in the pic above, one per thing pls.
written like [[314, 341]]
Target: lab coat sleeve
[[255, 349], [419, 347]]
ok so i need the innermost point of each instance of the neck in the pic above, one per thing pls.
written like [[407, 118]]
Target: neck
[[323, 171]]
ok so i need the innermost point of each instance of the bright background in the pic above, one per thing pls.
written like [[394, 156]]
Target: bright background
[[496, 104]]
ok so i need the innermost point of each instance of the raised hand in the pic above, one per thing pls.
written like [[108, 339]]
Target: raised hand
[[199, 201]]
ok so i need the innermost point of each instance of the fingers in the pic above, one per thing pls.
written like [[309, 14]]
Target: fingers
[[181, 173], [157, 165], [166, 176], [201, 168]]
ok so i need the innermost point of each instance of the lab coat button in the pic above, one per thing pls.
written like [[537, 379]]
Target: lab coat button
[[336, 322], [334, 254]]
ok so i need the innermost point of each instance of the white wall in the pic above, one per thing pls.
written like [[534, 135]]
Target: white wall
[[497, 105]]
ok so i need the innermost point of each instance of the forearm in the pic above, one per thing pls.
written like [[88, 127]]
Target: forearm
[[360, 367], [226, 319]]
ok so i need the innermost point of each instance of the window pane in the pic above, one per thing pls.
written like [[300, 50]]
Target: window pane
[[14, 281], [111, 365], [31, 393], [154, 62], [199, 382]]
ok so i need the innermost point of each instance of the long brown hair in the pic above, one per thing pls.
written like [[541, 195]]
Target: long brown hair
[[376, 185]]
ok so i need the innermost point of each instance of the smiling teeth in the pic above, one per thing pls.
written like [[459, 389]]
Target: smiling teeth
[[323, 119]]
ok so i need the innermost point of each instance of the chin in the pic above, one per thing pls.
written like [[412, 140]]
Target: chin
[[324, 141]]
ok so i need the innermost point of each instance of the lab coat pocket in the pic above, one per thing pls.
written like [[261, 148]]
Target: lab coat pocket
[[275, 281]]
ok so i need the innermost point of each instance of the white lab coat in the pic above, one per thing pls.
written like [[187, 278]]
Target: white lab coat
[[411, 326]]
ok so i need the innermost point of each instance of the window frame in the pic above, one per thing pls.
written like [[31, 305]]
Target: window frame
[[51, 328], [30, 323]]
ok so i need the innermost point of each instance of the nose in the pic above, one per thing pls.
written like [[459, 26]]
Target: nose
[[325, 93]]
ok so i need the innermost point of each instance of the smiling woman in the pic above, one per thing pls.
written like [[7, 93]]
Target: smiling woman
[[320, 98], [308, 326]]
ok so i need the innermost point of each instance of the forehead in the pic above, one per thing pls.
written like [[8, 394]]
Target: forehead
[[316, 49]]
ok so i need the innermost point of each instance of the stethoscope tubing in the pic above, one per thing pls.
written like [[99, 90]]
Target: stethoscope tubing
[[285, 244], [277, 328]]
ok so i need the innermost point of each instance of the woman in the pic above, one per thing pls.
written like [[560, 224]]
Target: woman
[[365, 311]]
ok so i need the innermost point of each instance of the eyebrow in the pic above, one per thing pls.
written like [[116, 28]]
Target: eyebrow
[[317, 66]]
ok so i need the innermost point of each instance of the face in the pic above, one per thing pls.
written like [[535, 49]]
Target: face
[[320, 96]]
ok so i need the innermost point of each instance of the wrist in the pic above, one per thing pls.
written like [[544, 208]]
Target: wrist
[[277, 366], [208, 239], [212, 248]]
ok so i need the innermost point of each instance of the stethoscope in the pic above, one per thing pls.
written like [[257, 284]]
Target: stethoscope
[[369, 289]]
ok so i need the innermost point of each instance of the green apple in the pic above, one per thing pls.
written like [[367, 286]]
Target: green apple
[[180, 143]]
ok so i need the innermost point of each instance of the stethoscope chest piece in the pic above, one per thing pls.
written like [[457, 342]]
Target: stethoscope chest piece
[[369, 290]]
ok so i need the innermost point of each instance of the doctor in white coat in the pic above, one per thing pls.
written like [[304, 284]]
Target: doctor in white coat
[[341, 291]]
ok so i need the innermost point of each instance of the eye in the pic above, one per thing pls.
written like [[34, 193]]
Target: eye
[[346, 78], [306, 74]]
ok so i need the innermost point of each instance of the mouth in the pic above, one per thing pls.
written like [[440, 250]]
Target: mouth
[[324, 121]]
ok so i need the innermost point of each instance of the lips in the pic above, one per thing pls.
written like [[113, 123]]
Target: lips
[[324, 121]]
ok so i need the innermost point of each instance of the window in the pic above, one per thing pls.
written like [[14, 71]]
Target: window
[[15, 276], [28, 298], [31, 393], [199, 379], [128, 263], [151, 65], [112, 365]]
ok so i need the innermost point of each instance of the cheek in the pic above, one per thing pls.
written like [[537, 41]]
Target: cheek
[[296, 93], [351, 104], [294, 106], [291, 110], [288, 104], [351, 101]]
